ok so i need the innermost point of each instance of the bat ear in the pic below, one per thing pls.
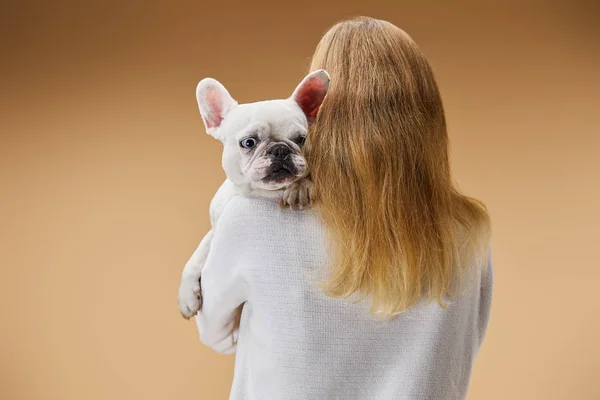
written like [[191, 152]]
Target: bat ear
[[310, 93], [214, 102]]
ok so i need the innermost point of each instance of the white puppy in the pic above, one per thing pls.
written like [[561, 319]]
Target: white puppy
[[262, 145]]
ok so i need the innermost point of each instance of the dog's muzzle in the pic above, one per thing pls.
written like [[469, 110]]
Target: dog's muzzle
[[282, 167]]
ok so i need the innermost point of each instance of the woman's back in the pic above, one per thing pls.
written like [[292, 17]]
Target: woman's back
[[297, 343]]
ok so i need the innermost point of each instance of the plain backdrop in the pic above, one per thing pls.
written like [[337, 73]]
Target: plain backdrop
[[106, 177]]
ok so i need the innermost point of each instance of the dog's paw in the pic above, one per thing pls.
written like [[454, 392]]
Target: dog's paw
[[190, 297], [298, 194]]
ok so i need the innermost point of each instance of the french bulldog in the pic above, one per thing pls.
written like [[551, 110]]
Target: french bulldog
[[262, 155]]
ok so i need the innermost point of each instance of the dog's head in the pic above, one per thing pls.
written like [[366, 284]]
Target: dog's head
[[263, 140]]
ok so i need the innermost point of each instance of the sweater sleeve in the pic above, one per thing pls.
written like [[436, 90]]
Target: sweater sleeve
[[485, 306], [223, 285]]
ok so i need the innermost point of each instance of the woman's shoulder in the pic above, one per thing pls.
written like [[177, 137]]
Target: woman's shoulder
[[246, 214], [247, 207]]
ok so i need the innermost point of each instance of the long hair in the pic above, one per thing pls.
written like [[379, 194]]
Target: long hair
[[379, 159]]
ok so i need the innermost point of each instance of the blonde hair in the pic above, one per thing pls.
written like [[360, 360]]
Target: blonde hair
[[378, 156]]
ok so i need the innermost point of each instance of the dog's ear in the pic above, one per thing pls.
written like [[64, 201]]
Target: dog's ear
[[214, 102], [310, 93]]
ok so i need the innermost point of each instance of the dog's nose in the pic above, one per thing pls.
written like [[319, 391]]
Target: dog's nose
[[280, 151]]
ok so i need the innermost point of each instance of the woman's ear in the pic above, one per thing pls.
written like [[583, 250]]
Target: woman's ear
[[310, 93], [214, 102]]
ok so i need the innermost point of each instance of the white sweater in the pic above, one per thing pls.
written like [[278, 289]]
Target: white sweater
[[296, 343]]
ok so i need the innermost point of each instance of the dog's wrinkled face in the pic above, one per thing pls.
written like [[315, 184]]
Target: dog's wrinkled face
[[263, 140], [263, 144]]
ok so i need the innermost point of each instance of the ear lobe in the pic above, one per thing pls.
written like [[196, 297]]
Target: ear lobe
[[214, 102], [310, 93]]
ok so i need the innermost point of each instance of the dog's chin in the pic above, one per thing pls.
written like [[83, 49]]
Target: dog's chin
[[277, 180]]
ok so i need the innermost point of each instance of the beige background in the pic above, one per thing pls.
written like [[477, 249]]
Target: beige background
[[106, 176]]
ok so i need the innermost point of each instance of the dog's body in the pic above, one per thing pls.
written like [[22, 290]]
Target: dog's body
[[262, 155]]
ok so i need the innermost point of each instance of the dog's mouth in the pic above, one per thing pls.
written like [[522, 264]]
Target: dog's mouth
[[280, 172]]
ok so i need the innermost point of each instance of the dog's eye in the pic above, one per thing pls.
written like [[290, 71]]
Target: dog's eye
[[300, 140], [248, 143]]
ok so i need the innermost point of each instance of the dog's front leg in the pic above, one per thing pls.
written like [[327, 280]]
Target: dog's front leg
[[190, 295]]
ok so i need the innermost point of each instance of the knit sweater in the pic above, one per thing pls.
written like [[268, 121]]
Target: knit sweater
[[296, 343]]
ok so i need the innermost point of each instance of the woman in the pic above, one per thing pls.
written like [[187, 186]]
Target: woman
[[404, 305]]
